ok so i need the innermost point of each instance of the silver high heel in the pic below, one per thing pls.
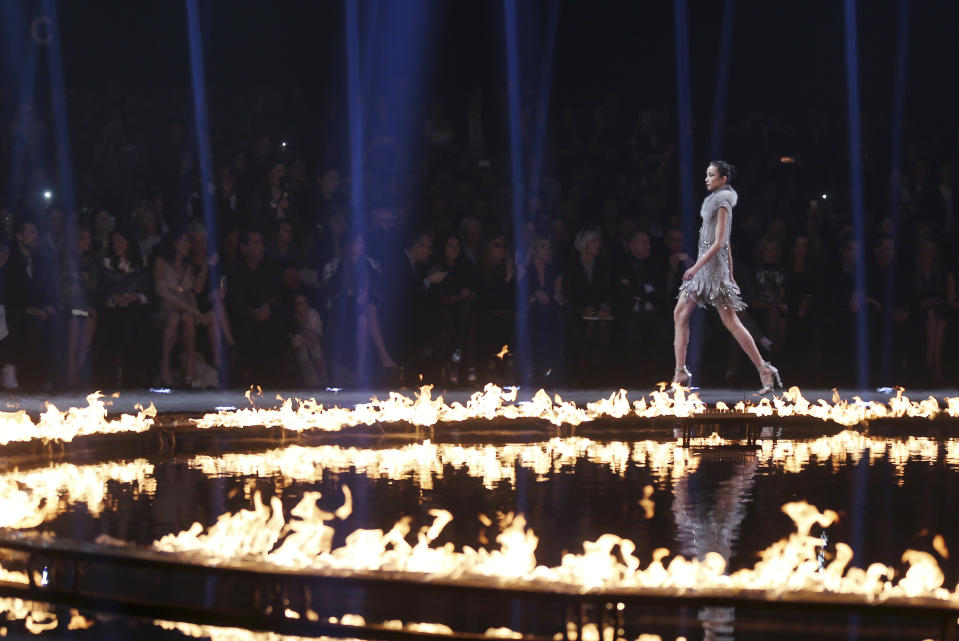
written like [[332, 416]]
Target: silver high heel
[[686, 375], [769, 376]]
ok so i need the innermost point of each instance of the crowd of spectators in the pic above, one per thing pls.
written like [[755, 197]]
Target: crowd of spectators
[[296, 284]]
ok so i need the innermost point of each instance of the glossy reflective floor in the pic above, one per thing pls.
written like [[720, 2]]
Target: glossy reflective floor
[[721, 494]]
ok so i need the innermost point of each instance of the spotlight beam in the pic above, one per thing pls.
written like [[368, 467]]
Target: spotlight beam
[[21, 61], [898, 110], [856, 187], [357, 141], [684, 122], [61, 123], [545, 90], [516, 169], [722, 79], [355, 105], [201, 127]]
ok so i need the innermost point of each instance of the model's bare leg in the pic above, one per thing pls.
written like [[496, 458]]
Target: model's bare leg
[[224, 322], [213, 332], [189, 344], [315, 352], [168, 341], [937, 349], [930, 336], [73, 340], [681, 313], [735, 326], [362, 343], [88, 329], [377, 337]]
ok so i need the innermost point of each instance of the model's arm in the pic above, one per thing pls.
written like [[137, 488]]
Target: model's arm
[[722, 215], [730, 253]]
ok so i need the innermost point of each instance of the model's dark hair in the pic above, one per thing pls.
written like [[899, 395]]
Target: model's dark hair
[[725, 169]]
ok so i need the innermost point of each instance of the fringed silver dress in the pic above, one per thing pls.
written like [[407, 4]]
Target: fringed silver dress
[[713, 284]]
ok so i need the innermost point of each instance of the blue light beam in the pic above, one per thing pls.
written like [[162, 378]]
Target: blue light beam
[[722, 80], [543, 96], [356, 110], [856, 188], [204, 153], [22, 50], [898, 111], [357, 145], [61, 126], [516, 172], [684, 122]]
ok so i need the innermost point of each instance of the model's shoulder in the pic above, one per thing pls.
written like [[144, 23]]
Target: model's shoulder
[[725, 196]]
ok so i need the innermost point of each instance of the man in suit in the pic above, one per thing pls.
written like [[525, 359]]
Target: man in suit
[[416, 328], [643, 307], [251, 301], [30, 298]]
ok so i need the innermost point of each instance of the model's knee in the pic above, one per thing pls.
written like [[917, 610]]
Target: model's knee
[[730, 319]]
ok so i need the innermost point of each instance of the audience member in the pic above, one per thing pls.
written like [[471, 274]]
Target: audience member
[[543, 284], [176, 288], [930, 294], [250, 301], [457, 294], [306, 339], [354, 289], [210, 294], [644, 310], [31, 309], [495, 303], [124, 287], [138, 169], [78, 289], [587, 285]]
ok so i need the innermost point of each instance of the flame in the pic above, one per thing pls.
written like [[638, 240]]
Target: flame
[[789, 565], [217, 633], [503, 353], [491, 402], [494, 402], [54, 425], [221, 633]]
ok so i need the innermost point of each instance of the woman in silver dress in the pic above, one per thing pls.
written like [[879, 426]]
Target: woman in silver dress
[[710, 279]]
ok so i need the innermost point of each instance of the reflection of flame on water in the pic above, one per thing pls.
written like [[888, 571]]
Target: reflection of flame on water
[[71, 423], [426, 461], [648, 505], [304, 540], [38, 617], [28, 499]]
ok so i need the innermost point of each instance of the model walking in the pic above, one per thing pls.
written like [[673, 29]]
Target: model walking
[[710, 279]]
